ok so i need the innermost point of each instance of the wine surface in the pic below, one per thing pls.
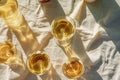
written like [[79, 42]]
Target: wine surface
[[38, 63]]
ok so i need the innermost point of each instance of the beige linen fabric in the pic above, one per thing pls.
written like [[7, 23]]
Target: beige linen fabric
[[98, 29]]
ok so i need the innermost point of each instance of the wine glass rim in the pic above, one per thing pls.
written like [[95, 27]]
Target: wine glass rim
[[66, 18], [41, 53]]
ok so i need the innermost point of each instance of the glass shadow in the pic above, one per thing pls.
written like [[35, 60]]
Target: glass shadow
[[51, 75], [107, 14], [76, 49], [52, 10]]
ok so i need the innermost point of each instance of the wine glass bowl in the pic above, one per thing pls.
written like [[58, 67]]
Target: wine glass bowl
[[9, 54], [38, 63], [73, 68], [63, 29]]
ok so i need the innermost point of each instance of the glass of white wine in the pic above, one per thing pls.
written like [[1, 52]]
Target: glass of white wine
[[63, 29], [73, 68], [10, 12], [38, 63], [9, 54]]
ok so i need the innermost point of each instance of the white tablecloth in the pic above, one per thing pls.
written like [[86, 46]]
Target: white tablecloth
[[98, 30]]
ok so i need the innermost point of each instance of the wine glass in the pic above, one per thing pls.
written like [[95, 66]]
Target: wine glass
[[9, 54], [38, 62], [73, 68], [63, 29]]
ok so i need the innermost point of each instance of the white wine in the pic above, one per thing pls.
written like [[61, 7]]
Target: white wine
[[62, 29], [8, 52], [73, 69], [10, 12], [38, 63]]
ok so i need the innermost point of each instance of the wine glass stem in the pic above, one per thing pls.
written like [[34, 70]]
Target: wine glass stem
[[65, 49], [69, 52]]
